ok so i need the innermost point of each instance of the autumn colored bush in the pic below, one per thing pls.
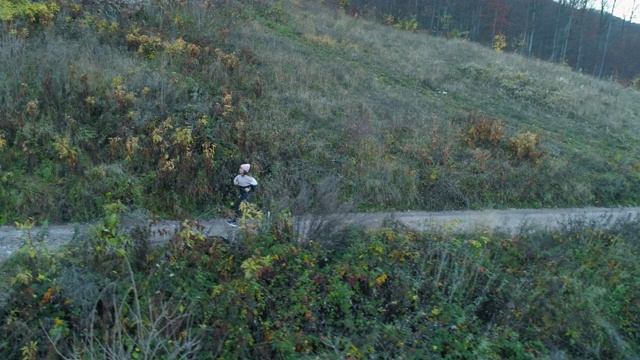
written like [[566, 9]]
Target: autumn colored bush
[[484, 131], [525, 146]]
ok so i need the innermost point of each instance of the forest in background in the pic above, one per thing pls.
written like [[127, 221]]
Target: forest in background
[[581, 34]]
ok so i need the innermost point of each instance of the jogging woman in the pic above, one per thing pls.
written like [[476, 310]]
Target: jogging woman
[[246, 184]]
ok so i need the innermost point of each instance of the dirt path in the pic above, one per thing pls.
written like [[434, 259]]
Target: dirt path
[[510, 221]]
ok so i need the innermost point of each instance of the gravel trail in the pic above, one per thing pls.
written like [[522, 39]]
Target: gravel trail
[[512, 221]]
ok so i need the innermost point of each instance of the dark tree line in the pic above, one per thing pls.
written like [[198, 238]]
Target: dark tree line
[[582, 34]]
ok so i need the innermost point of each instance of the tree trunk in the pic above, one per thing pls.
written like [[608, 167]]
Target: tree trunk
[[606, 39], [532, 26], [552, 58], [476, 21], [495, 24], [583, 13], [567, 32]]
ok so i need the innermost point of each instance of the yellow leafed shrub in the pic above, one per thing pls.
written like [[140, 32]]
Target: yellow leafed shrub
[[526, 146]]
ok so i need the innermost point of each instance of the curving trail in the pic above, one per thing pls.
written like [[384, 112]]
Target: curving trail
[[511, 221]]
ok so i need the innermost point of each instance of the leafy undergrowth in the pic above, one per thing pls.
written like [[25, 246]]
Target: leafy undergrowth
[[352, 294]]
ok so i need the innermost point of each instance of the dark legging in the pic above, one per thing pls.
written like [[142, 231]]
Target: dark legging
[[244, 196]]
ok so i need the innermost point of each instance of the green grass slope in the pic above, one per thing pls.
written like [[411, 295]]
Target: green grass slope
[[155, 105]]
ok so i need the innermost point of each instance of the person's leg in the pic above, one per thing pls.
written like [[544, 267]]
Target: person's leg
[[236, 211]]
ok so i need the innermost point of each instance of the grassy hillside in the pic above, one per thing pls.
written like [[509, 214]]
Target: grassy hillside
[[155, 105], [121, 114]]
